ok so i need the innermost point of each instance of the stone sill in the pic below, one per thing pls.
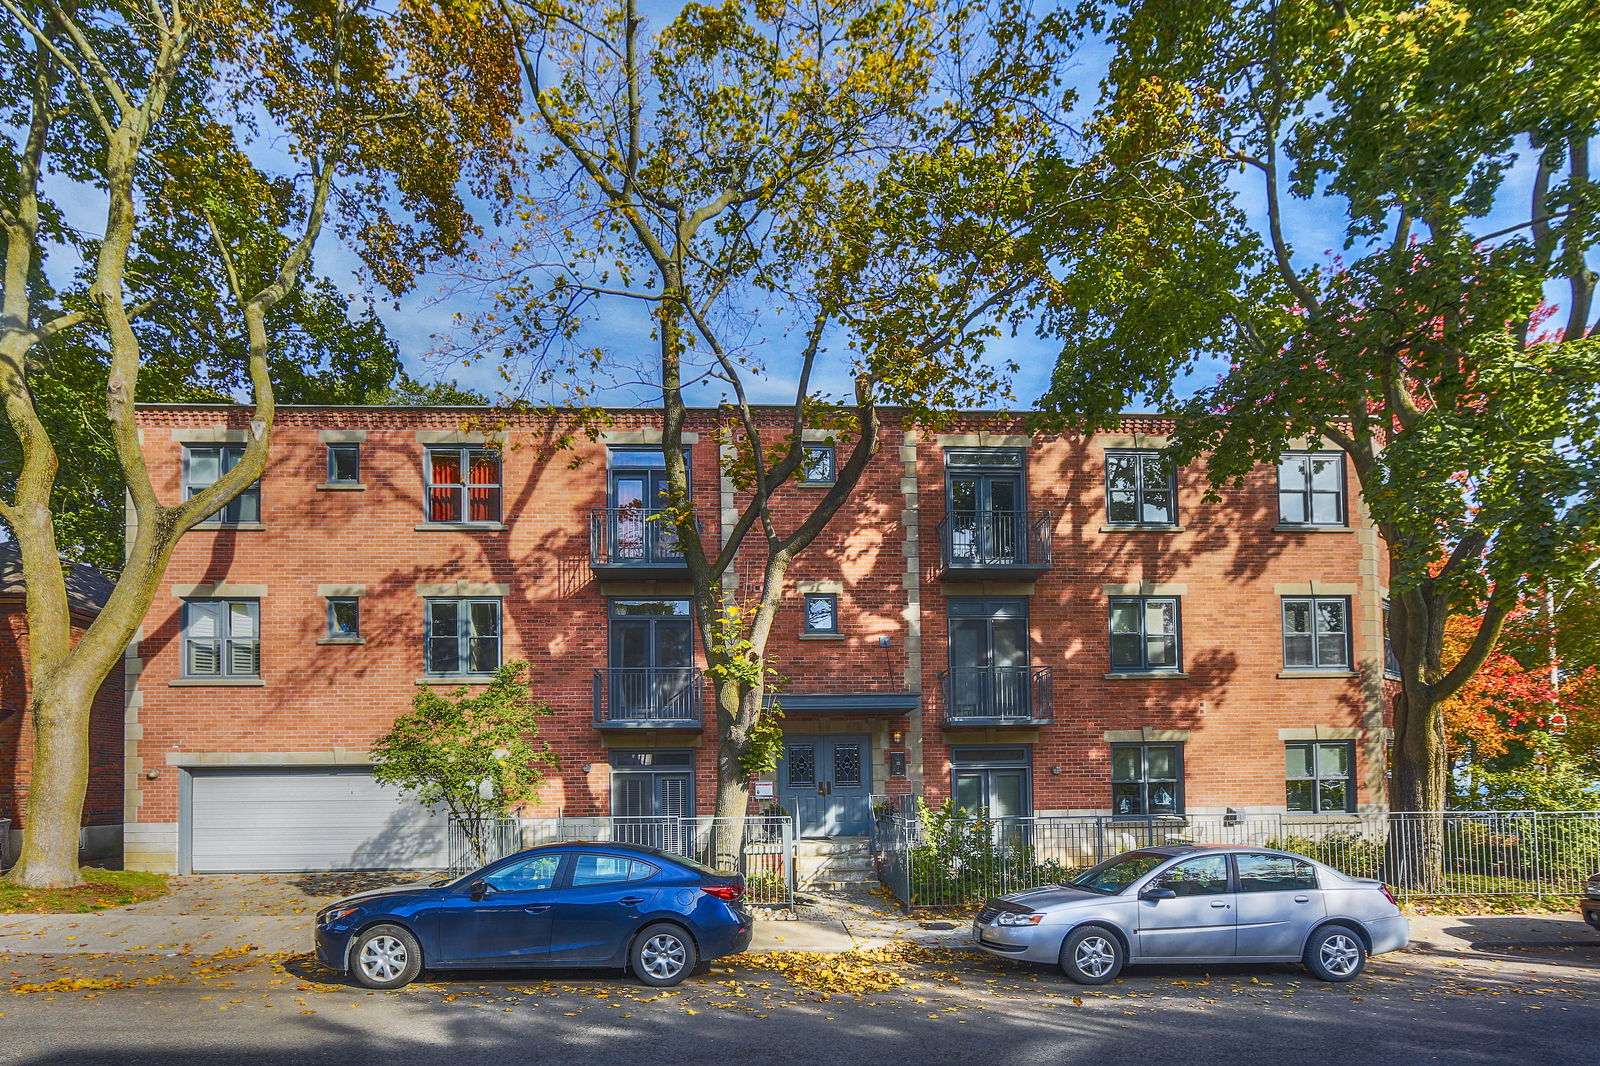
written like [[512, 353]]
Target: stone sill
[[228, 527], [821, 636], [1146, 675], [341, 486], [1311, 529], [452, 682], [216, 682], [460, 527], [1143, 529], [1294, 674], [814, 484], [342, 640]]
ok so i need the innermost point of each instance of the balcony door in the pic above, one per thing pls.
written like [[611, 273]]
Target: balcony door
[[651, 660], [635, 495], [989, 671], [986, 518], [652, 798]]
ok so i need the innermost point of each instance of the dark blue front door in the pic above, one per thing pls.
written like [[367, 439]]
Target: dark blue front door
[[511, 921], [825, 783], [598, 913]]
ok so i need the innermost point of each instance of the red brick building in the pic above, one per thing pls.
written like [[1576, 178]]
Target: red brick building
[[1033, 624], [87, 590]]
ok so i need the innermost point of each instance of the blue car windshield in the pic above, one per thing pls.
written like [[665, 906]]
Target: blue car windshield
[[1114, 875]]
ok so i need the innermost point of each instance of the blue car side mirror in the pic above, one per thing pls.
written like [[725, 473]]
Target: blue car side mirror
[[479, 889]]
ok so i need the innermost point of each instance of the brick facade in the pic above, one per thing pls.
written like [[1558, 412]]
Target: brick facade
[[321, 703]]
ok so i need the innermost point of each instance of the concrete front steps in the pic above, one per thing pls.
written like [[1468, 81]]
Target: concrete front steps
[[834, 864]]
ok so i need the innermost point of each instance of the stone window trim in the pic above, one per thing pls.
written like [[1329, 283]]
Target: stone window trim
[[341, 436], [635, 437], [448, 589], [219, 590], [1145, 588], [446, 437]]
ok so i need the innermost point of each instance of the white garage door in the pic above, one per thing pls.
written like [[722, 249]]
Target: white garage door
[[303, 819]]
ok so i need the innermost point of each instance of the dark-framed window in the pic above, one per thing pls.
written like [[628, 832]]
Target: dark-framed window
[[344, 617], [1141, 489], [344, 464], [818, 464], [1391, 661], [1311, 489], [651, 784], [1146, 780], [463, 483], [221, 638], [203, 465], [822, 612], [992, 781], [1320, 775], [463, 636], [1145, 633], [1316, 632]]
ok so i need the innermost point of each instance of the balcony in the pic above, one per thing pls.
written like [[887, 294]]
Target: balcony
[[974, 545], [636, 543], [654, 698], [996, 695]]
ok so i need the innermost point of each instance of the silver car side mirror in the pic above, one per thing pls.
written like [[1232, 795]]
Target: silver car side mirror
[[1155, 892]]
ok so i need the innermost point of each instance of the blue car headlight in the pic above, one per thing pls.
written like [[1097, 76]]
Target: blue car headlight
[[1009, 918], [336, 914]]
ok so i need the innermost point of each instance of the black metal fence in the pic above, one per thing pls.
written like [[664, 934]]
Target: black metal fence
[[938, 860]]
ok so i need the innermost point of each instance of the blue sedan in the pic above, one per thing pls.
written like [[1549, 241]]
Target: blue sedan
[[576, 904]]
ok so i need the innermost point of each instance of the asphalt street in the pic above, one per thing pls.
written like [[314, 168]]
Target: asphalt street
[[900, 1008]]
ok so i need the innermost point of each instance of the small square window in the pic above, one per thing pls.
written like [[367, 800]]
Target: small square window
[[822, 612], [344, 464], [817, 465], [344, 618]]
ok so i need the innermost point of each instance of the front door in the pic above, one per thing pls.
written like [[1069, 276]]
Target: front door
[[824, 782], [1199, 922], [511, 920]]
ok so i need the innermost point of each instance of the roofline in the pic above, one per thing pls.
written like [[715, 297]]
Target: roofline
[[150, 406]]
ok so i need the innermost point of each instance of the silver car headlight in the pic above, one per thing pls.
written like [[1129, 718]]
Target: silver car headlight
[[1010, 918]]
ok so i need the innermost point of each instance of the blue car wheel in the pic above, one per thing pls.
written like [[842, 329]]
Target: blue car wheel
[[663, 955], [385, 956]]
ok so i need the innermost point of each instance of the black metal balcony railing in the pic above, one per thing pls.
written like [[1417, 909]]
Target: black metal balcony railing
[[997, 695], [995, 541], [647, 697], [633, 538]]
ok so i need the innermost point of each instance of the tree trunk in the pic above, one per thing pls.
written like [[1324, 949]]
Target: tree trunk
[[737, 710], [61, 716], [1414, 855]]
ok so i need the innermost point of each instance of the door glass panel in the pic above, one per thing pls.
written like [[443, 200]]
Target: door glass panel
[[1205, 876], [801, 760], [969, 793], [673, 645], [1010, 643], [966, 644], [1007, 798], [847, 765], [674, 796], [635, 795]]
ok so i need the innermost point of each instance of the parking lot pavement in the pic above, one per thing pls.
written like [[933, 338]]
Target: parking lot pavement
[[908, 1004]]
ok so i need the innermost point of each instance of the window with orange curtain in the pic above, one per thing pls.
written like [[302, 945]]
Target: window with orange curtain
[[463, 485]]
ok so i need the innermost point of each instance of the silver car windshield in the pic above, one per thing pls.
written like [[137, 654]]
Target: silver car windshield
[[1114, 875]]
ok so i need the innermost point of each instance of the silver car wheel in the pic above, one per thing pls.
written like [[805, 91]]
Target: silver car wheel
[[383, 958], [662, 956], [1340, 955], [1095, 955]]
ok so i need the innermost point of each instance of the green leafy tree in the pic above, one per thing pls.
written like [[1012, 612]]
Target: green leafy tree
[[407, 391], [476, 756], [866, 179], [1423, 351], [220, 141]]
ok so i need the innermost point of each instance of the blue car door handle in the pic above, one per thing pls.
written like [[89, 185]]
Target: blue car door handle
[[538, 908], [631, 901]]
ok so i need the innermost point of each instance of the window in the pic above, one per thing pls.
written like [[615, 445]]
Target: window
[[1316, 633], [221, 638], [344, 464], [203, 465], [344, 618], [463, 636], [1146, 780], [530, 875], [1203, 876], [1141, 489], [1311, 489], [649, 791], [991, 782], [594, 870], [463, 484], [1274, 873], [817, 466], [636, 498], [822, 612], [1391, 661], [989, 676], [984, 501], [1320, 776], [1144, 633]]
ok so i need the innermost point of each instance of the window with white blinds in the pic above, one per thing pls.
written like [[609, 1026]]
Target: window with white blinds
[[222, 638]]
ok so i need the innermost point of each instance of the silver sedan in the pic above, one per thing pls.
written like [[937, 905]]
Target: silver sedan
[[1194, 903]]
